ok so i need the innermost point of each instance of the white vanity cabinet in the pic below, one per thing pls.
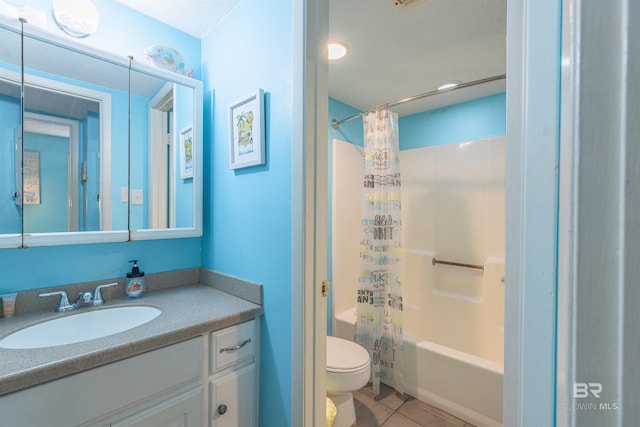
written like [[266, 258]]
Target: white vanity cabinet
[[233, 381], [182, 410], [181, 385]]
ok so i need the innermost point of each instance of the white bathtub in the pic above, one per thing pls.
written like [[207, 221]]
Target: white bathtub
[[462, 384]]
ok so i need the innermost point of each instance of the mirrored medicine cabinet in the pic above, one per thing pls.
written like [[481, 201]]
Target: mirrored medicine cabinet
[[94, 147]]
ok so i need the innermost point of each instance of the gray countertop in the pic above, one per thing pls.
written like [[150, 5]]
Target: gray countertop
[[187, 311]]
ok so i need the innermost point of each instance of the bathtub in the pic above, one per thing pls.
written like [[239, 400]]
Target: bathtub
[[464, 385]]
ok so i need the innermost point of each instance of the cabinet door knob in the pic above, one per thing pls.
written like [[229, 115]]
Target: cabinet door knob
[[222, 409]]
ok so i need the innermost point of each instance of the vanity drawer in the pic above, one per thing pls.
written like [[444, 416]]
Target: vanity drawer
[[231, 345]]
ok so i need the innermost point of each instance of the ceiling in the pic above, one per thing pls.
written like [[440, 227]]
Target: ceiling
[[397, 48], [195, 17]]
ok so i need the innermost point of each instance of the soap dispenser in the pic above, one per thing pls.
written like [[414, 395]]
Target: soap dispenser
[[135, 287]]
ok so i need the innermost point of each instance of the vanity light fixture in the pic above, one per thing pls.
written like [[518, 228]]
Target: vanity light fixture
[[448, 84], [337, 50]]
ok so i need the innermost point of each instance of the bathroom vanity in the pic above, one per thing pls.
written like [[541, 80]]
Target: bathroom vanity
[[196, 364]]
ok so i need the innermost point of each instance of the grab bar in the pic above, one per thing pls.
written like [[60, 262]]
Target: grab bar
[[457, 264]]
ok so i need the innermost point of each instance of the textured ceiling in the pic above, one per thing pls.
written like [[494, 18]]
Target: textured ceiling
[[401, 51], [396, 51], [195, 17]]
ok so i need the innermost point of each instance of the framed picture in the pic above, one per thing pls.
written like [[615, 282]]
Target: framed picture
[[186, 152], [246, 131], [31, 178]]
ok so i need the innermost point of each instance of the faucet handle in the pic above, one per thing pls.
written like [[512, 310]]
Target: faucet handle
[[64, 300], [97, 295]]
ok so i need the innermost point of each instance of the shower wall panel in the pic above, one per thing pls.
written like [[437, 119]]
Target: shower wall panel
[[453, 209]]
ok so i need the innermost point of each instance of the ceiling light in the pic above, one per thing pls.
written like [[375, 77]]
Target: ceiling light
[[337, 50], [449, 84]]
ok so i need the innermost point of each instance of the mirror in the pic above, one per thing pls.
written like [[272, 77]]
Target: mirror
[[101, 145], [10, 122], [162, 153]]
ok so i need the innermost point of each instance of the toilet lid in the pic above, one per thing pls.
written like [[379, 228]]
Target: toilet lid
[[345, 356]]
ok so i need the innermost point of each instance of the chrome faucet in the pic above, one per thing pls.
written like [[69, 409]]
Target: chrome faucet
[[84, 298]]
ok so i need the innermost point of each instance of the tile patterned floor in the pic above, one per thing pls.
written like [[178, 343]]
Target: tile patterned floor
[[390, 409]]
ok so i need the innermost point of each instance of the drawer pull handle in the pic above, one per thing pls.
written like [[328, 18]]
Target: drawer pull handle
[[222, 409], [238, 347]]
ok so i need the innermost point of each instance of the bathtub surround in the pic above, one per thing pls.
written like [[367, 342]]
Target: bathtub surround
[[476, 119], [453, 209]]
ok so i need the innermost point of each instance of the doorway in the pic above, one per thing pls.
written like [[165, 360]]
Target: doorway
[[161, 158], [50, 192]]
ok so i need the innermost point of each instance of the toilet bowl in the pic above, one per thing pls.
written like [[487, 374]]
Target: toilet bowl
[[348, 369]]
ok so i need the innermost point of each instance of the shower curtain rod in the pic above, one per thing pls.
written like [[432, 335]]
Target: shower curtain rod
[[336, 123]]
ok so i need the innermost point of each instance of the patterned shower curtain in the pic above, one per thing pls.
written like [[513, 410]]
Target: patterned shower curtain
[[379, 306]]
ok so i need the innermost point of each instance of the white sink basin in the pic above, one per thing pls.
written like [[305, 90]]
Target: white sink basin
[[80, 327]]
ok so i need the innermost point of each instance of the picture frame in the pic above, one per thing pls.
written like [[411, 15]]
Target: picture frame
[[31, 178], [246, 131], [186, 152]]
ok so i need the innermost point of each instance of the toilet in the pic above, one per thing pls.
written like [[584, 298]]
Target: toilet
[[348, 369]]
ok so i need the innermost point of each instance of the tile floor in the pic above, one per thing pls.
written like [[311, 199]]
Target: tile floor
[[390, 409]]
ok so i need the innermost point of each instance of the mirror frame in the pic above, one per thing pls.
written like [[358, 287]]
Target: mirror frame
[[68, 238]]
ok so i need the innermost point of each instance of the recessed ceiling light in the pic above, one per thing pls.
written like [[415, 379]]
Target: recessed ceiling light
[[337, 50], [449, 84]]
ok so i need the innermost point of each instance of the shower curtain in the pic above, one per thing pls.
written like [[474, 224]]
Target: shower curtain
[[379, 304]]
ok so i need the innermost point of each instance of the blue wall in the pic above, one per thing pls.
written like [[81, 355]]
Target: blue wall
[[247, 212], [480, 118], [184, 187], [90, 216], [121, 31], [51, 214], [41, 267], [139, 163], [9, 120]]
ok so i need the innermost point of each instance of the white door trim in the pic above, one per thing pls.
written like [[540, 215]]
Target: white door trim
[[309, 212], [533, 71], [598, 343], [160, 177], [57, 126]]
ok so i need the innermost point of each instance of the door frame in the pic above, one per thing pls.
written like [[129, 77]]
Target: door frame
[[533, 99], [43, 124], [309, 212], [532, 161], [161, 177]]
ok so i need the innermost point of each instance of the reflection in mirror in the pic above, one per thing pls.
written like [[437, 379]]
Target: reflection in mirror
[[78, 137], [10, 134], [71, 135], [162, 192]]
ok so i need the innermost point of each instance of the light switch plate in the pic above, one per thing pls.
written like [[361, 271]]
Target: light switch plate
[[124, 194], [136, 197]]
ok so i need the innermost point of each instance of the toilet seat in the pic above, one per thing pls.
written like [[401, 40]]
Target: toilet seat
[[345, 356]]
